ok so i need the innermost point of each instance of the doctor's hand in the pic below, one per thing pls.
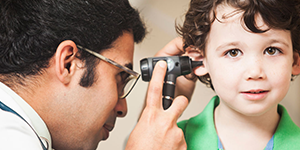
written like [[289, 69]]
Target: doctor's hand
[[157, 128], [185, 85]]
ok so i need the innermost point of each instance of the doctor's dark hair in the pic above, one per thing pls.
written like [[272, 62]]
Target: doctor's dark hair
[[31, 30], [277, 14]]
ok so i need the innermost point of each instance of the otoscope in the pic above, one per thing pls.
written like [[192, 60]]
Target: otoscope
[[177, 66]]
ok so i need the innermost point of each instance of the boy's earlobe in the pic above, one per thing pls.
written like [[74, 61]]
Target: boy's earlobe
[[201, 70], [65, 65], [296, 64]]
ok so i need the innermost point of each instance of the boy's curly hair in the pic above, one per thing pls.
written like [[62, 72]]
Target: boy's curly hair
[[277, 14]]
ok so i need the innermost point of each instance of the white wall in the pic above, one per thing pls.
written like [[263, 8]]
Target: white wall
[[160, 16]]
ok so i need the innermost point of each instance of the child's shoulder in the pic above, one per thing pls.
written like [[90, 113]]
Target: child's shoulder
[[205, 118], [287, 135], [201, 128]]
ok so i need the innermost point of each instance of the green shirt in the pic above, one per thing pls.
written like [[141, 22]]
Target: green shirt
[[200, 132]]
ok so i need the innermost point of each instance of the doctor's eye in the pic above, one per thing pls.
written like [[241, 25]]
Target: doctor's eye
[[233, 53], [124, 75], [272, 51]]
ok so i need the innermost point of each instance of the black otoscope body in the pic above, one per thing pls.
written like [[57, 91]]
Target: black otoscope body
[[177, 66]]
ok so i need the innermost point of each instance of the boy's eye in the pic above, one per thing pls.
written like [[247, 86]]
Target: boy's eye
[[272, 51], [233, 53]]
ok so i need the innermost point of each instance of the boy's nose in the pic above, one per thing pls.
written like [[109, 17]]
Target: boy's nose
[[255, 70]]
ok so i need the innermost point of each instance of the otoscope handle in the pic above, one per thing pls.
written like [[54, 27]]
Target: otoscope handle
[[167, 103], [168, 94], [168, 90]]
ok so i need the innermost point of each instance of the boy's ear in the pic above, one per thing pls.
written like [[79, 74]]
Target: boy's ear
[[65, 64], [198, 55], [296, 64]]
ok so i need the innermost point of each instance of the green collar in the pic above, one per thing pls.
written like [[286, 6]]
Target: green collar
[[200, 132], [287, 135]]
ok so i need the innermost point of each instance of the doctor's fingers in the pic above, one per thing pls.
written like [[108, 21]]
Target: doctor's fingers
[[178, 106], [173, 48], [175, 139], [183, 145], [154, 95]]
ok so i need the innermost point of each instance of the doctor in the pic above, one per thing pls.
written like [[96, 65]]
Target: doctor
[[65, 72]]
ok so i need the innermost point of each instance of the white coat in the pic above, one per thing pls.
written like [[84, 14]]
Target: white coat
[[15, 133]]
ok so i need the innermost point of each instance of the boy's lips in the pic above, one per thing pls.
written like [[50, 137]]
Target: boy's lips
[[256, 94]]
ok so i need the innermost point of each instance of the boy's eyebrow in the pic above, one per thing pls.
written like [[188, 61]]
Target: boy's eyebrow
[[237, 43], [234, 44], [274, 41]]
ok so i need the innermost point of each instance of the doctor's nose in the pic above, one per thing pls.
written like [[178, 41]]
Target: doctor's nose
[[121, 107]]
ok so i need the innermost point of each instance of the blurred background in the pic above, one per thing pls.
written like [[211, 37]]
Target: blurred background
[[160, 17]]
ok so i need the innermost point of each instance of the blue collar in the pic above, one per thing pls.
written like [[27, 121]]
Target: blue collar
[[269, 146]]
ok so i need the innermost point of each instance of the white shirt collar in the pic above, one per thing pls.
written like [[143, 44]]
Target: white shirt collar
[[34, 119]]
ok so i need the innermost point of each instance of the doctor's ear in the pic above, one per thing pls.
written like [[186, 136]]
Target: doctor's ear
[[65, 61], [296, 64], [197, 55]]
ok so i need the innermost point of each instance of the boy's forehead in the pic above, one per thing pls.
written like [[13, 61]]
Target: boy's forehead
[[225, 13], [230, 30]]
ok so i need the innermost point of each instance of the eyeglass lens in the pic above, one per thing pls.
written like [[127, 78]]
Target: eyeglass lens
[[126, 86]]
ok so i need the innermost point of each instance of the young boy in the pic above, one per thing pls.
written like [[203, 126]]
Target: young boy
[[250, 51]]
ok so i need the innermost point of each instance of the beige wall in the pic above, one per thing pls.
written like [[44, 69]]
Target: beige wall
[[160, 16]]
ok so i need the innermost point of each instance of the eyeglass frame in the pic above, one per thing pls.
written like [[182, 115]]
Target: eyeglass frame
[[124, 68]]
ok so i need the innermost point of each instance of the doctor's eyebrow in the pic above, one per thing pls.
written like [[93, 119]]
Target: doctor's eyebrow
[[129, 65]]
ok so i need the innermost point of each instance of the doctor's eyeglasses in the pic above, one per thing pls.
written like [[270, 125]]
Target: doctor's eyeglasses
[[129, 77]]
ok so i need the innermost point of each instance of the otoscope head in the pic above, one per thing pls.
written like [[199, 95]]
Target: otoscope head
[[177, 66], [187, 65], [196, 64]]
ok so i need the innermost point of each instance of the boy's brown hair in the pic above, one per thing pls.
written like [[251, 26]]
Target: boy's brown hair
[[276, 14]]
